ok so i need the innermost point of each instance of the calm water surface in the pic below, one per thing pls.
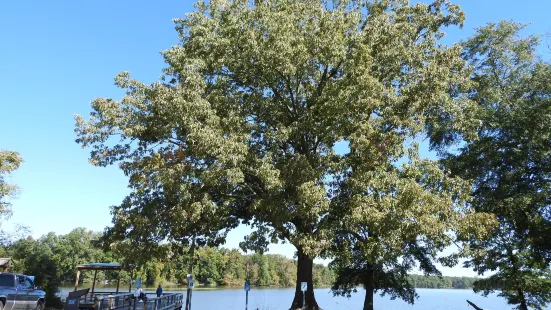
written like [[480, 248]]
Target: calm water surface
[[280, 299]]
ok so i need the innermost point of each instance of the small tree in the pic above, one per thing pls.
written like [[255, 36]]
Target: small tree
[[395, 218], [9, 162], [38, 258]]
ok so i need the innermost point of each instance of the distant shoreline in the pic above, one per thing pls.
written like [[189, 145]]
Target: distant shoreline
[[233, 287], [418, 281]]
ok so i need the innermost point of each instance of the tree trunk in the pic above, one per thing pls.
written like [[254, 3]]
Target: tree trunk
[[369, 284], [515, 268], [304, 274], [523, 305]]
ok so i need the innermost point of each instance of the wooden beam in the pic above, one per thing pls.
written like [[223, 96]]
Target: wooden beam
[[118, 281], [98, 268], [94, 282], [131, 279], [76, 282]]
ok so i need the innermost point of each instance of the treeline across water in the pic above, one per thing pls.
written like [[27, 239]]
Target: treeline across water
[[419, 281], [53, 260], [224, 267]]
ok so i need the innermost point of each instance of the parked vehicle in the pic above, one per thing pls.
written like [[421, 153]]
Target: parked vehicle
[[18, 292]]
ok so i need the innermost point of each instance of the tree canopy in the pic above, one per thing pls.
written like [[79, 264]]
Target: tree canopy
[[9, 162], [243, 126], [510, 163]]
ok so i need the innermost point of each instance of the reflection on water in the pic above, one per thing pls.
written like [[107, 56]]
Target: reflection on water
[[280, 299]]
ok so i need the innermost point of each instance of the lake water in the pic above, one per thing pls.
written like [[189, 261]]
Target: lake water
[[280, 299]]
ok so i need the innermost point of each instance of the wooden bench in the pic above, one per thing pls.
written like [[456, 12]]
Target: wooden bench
[[79, 293]]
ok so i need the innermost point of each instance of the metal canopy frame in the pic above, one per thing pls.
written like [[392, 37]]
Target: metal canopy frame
[[99, 267]]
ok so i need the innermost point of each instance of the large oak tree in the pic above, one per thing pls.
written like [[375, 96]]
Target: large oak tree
[[243, 125]]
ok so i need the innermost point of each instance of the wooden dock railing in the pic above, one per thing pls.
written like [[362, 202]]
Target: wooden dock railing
[[127, 301]]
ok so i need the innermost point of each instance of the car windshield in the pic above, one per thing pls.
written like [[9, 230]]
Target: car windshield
[[7, 280]]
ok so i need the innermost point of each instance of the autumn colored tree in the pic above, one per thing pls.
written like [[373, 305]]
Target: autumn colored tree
[[243, 125]]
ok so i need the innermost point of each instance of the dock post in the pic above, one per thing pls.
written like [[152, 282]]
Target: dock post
[[190, 275], [189, 291], [76, 282], [94, 281], [131, 279], [118, 280], [247, 288]]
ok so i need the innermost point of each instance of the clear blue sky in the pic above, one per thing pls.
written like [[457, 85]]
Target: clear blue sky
[[56, 56]]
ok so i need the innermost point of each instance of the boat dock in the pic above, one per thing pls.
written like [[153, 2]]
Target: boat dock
[[86, 299]]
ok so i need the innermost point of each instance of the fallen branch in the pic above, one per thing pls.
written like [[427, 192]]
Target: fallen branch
[[474, 306]]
